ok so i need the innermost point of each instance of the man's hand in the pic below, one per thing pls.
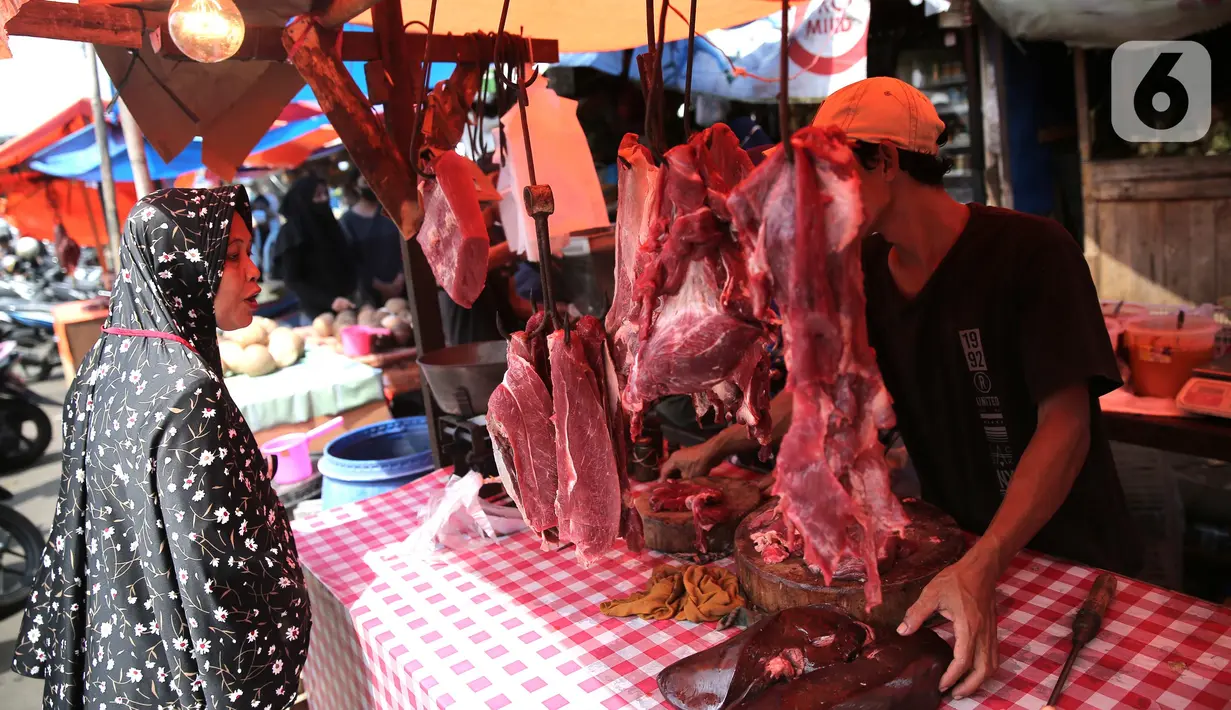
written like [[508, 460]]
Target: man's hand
[[964, 593], [691, 461]]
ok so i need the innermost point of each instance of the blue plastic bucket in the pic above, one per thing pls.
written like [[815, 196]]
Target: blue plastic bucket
[[375, 459]]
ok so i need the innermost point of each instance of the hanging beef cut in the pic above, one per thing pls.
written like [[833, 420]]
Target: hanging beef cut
[[560, 437], [519, 422], [589, 498], [799, 222], [639, 192], [691, 310], [454, 236]]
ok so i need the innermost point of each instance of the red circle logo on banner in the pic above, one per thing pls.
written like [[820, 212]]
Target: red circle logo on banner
[[824, 23]]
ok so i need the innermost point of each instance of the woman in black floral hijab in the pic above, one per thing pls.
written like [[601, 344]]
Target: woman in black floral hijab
[[170, 579]]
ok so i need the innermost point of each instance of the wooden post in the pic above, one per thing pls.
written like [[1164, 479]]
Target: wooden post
[[106, 180], [134, 141], [405, 76], [373, 152], [1090, 236]]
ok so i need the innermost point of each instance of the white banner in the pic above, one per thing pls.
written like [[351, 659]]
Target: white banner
[[827, 49]]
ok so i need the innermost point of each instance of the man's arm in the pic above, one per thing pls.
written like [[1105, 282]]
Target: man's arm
[[965, 593], [698, 460], [1043, 477]]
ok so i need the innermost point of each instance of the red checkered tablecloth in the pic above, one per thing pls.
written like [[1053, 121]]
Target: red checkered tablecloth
[[507, 625]]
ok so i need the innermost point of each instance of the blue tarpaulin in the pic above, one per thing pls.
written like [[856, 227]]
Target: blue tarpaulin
[[77, 157]]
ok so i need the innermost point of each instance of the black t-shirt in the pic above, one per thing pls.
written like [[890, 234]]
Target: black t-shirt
[[1010, 317]]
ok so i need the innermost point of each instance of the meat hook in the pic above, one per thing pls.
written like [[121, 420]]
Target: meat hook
[[692, 38], [784, 82], [421, 103]]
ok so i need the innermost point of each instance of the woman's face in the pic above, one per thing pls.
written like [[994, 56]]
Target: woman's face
[[238, 289]]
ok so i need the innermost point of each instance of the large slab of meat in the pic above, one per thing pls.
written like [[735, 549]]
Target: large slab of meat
[[639, 191], [811, 658], [589, 498], [798, 222], [519, 421], [454, 236], [559, 434], [689, 324]]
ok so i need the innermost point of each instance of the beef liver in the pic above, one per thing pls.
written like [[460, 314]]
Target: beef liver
[[813, 658]]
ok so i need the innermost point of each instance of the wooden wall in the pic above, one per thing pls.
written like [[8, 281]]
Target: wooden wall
[[1159, 229]]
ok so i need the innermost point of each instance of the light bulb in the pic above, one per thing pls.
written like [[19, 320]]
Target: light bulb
[[206, 30]]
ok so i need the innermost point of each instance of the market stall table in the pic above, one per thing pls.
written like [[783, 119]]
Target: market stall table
[[320, 386], [1208, 437], [508, 625]]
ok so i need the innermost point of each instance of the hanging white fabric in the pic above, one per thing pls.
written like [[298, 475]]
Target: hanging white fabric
[[562, 160]]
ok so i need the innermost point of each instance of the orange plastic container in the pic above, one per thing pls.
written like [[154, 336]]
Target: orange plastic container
[[1163, 353]]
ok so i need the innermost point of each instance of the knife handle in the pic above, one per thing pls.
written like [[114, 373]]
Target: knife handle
[[1089, 618]]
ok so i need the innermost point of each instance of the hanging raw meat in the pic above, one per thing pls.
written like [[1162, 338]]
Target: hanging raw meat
[[589, 500], [799, 223], [454, 236], [519, 421], [640, 189], [693, 315]]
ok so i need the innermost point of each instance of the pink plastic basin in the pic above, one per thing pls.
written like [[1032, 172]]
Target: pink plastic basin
[[294, 459], [361, 339]]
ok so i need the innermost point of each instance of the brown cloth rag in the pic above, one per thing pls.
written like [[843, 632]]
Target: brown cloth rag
[[694, 593]]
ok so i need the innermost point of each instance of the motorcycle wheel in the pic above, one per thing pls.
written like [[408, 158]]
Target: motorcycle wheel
[[25, 433], [21, 544]]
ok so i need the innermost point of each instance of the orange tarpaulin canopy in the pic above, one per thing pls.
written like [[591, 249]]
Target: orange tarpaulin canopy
[[71, 119], [582, 25], [578, 25], [34, 203]]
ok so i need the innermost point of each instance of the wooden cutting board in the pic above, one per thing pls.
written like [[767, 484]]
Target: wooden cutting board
[[675, 532], [937, 542]]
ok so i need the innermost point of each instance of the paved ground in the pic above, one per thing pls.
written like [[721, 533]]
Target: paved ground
[[34, 494]]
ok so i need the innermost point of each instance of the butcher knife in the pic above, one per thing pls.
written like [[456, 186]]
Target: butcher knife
[[1086, 625]]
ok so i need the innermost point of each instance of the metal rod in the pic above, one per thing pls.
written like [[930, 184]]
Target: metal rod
[[784, 81], [421, 101], [692, 38], [659, 132], [106, 178], [135, 141]]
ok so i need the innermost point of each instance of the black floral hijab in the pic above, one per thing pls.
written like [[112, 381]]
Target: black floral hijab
[[170, 576], [171, 260]]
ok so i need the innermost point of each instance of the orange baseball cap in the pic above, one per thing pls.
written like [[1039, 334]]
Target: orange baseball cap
[[883, 109]]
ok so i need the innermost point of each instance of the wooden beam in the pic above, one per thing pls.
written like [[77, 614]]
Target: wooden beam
[[404, 71], [95, 24], [113, 26], [351, 115], [265, 44]]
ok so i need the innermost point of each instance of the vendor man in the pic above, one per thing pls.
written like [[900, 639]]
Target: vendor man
[[989, 334]]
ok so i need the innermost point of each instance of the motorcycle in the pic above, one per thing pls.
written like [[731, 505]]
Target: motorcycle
[[21, 545], [32, 327], [25, 429]]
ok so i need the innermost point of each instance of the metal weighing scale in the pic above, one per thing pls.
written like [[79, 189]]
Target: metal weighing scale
[[1209, 390]]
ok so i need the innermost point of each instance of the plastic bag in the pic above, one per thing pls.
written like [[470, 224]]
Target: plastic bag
[[458, 519], [562, 159]]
